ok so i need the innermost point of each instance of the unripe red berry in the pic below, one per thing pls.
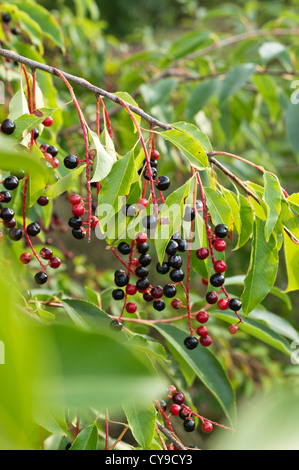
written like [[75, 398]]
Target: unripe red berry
[[131, 307], [219, 245], [202, 253], [46, 253], [94, 221], [142, 202], [155, 155], [55, 262], [176, 303], [55, 163], [220, 266], [205, 281], [78, 210], [172, 389], [207, 427], [157, 292], [175, 409], [178, 398], [205, 341], [131, 289], [223, 304], [202, 316], [25, 258], [141, 238], [202, 331], [48, 121], [233, 329], [48, 157], [74, 199]]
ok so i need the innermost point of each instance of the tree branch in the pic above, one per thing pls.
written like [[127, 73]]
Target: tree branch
[[170, 436]]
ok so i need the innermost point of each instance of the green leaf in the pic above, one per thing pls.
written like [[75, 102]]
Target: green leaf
[[206, 367], [257, 329], [45, 20], [232, 200], [148, 346], [87, 439], [18, 105], [246, 219], [291, 126], [28, 122], [293, 200], [116, 185], [193, 130], [155, 93], [123, 95], [262, 269], [267, 87], [235, 79], [189, 147], [172, 210], [200, 96], [218, 207], [272, 197], [64, 184], [142, 421], [188, 43], [291, 253], [103, 160], [84, 313]]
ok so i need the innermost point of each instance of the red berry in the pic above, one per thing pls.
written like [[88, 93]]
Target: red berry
[[48, 121], [233, 329], [78, 210], [205, 281], [94, 221], [155, 155], [48, 157], [74, 199], [219, 245], [46, 253], [178, 398], [142, 202], [141, 238], [220, 266], [131, 307], [202, 331], [55, 262], [131, 289], [175, 409], [202, 316], [202, 253], [157, 292], [223, 304], [172, 389], [205, 341], [176, 303], [55, 163], [25, 258], [212, 297], [207, 427]]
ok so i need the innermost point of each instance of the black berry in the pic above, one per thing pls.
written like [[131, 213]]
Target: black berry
[[121, 279], [128, 210], [43, 201], [11, 183], [169, 291], [235, 304], [142, 248], [52, 150], [35, 133], [189, 425], [177, 275], [41, 277], [15, 234], [191, 342], [8, 127], [142, 284], [217, 280], [75, 222], [147, 297], [6, 17], [33, 229], [189, 214], [221, 231], [71, 161], [6, 195], [178, 398], [141, 271], [124, 248], [162, 268], [78, 233], [172, 247], [212, 297], [175, 261], [145, 260], [149, 222], [159, 305], [182, 245], [7, 214], [163, 183], [118, 294], [146, 173]]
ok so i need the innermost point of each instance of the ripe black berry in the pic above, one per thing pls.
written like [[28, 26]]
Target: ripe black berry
[[146, 173], [184, 412], [172, 247], [212, 297], [78, 233], [191, 342], [10, 223], [52, 150], [152, 163], [118, 294], [6, 195], [43, 201], [35, 133], [128, 210], [145, 260], [221, 231], [71, 161], [189, 425], [235, 304], [159, 305], [162, 268], [15, 234], [41, 277], [175, 261], [20, 174], [11, 183], [182, 245], [124, 248], [217, 280], [141, 271], [6, 17], [157, 292], [178, 398], [7, 214], [75, 222], [189, 214], [198, 204], [121, 279], [163, 183], [147, 297], [8, 126], [142, 248], [116, 325], [142, 284], [33, 229], [149, 222], [169, 291], [177, 275]]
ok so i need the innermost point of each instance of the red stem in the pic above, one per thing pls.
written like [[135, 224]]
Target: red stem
[[28, 88], [204, 419], [107, 118]]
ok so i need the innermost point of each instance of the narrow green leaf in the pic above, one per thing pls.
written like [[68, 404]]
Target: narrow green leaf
[[189, 147], [291, 126], [148, 346], [262, 269], [291, 253], [267, 87], [272, 197], [200, 96], [235, 79], [64, 184], [219, 209], [142, 421], [246, 219]]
